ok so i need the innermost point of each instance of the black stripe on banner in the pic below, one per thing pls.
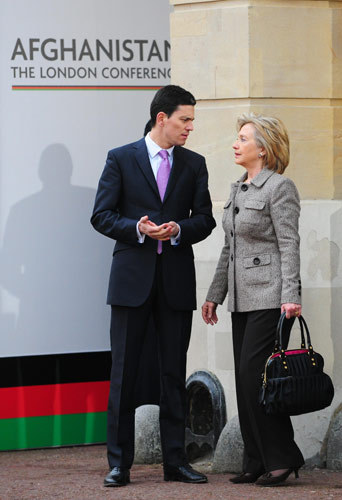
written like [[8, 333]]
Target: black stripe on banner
[[55, 369]]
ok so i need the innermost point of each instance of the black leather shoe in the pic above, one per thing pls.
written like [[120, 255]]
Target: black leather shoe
[[118, 476], [184, 474], [269, 479], [245, 477]]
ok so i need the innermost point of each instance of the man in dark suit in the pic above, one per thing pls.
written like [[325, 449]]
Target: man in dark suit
[[153, 200]]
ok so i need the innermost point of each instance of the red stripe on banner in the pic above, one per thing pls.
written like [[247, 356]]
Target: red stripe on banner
[[58, 399], [84, 87]]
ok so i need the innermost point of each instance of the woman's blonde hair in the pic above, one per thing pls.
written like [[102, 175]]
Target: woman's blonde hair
[[270, 134]]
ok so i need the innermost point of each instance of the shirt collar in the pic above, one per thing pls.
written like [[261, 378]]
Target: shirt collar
[[153, 148]]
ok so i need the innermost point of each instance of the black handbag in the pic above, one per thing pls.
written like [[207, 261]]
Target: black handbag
[[293, 381]]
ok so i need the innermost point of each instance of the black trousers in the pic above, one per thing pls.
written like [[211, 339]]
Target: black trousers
[[269, 440], [128, 331]]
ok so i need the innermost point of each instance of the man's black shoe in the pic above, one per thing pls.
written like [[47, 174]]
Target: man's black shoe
[[118, 476], [183, 473]]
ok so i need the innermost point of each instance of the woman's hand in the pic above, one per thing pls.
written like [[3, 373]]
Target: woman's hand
[[209, 313], [291, 309]]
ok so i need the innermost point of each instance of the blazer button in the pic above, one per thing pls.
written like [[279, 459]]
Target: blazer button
[[256, 261], [236, 210], [231, 233], [231, 258], [244, 187]]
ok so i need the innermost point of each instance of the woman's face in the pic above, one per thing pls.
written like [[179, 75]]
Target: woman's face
[[245, 148]]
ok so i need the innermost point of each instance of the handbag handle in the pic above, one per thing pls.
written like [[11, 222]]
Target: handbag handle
[[279, 342], [279, 333]]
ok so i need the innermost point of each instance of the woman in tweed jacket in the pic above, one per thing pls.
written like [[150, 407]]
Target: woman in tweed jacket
[[259, 268]]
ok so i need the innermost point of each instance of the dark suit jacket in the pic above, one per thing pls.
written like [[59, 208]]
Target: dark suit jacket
[[127, 191]]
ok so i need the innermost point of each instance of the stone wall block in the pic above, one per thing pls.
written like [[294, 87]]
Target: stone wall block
[[337, 52], [295, 65], [209, 51], [337, 144]]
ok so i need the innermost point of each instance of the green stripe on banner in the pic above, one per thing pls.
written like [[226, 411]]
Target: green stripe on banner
[[55, 430]]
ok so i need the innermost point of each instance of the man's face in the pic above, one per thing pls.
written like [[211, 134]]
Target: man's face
[[177, 127]]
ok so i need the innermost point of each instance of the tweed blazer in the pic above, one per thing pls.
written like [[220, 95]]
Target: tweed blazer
[[259, 263]]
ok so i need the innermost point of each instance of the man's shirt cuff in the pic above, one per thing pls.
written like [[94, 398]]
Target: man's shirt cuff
[[176, 239], [141, 237]]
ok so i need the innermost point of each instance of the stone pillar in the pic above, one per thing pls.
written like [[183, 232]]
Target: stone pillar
[[281, 58]]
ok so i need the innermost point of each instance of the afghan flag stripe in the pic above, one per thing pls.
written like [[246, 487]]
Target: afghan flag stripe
[[55, 430], [55, 369], [58, 399]]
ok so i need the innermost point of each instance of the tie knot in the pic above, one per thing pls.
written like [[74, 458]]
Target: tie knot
[[164, 154]]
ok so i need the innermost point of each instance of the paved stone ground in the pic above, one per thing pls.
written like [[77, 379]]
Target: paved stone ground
[[77, 474]]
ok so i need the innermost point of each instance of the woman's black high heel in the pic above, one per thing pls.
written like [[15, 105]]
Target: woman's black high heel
[[245, 478], [269, 480]]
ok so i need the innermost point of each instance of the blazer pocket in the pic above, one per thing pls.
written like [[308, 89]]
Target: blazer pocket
[[253, 211], [229, 202], [257, 269]]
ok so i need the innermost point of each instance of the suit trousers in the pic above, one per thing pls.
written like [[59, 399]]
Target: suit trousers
[[268, 440], [128, 331]]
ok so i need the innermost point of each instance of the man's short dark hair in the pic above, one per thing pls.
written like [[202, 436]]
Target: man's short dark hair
[[168, 98]]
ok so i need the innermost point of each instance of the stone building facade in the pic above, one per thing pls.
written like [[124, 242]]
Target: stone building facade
[[281, 58]]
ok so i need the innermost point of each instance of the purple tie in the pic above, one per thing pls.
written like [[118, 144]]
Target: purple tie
[[162, 180]]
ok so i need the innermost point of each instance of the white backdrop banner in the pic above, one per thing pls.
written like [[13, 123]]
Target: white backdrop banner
[[77, 78]]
